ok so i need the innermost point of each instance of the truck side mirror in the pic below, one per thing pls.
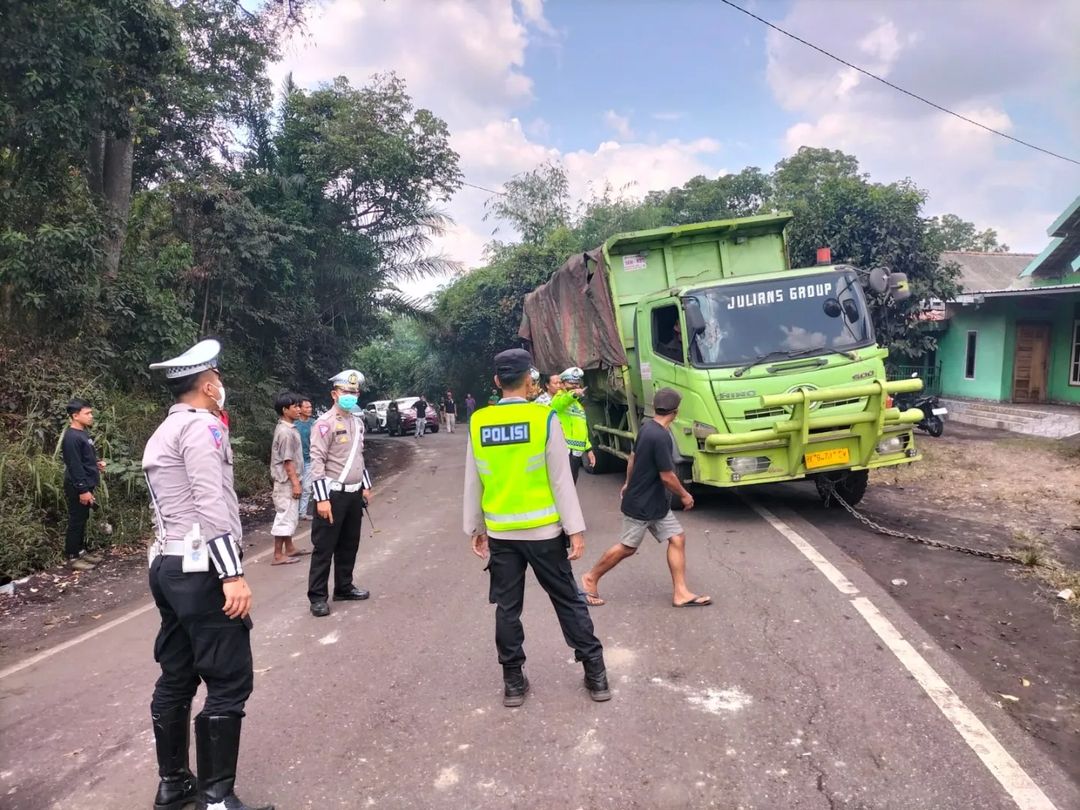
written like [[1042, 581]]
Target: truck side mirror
[[695, 321], [899, 290], [832, 308], [878, 279]]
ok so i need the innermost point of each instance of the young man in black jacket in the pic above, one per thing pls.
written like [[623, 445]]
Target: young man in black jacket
[[82, 474]]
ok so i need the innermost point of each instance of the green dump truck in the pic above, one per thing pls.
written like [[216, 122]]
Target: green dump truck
[[780, 375]]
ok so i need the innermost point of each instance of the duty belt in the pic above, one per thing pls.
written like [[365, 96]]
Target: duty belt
[[171, 548], [337, 486]]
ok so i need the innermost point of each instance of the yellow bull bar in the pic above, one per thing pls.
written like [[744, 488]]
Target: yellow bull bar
[[867, 425]]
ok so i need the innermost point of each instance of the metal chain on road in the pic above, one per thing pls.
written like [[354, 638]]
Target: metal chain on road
[[914, 538]]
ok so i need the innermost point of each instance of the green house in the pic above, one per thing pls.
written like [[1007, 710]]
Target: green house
[[1013, 334]]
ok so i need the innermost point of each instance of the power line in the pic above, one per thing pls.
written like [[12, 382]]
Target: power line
[[897, 87], [481, 188]]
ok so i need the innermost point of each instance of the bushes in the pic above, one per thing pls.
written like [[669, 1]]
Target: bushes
[[34, 517]]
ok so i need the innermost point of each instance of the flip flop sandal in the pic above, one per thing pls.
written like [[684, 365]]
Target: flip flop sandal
[[593, 596], [286, 561], [694, 602], [300, 553]]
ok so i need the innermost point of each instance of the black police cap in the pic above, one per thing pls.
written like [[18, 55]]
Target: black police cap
[[513, 363]]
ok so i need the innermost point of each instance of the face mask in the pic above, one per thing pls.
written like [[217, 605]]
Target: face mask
[[347, 401], [221, 397]]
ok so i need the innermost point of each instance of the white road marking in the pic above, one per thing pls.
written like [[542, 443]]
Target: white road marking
[[831, 572], [1022, 788], [1024, 791], [97, 631]]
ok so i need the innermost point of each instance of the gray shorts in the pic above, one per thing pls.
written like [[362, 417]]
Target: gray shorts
[[633, 530]]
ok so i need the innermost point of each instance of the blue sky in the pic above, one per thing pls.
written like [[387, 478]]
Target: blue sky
[[643, 95]]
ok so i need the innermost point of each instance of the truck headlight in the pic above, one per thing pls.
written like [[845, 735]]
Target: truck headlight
[[893, 444], [742, 465]]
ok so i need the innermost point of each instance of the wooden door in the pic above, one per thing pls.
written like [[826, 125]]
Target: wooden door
[[1030, 365]]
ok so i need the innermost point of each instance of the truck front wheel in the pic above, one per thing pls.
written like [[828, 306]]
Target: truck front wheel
[[849, 485]]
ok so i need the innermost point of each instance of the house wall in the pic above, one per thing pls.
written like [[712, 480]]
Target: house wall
[[1066, 311], [991, 322], [995, 322]]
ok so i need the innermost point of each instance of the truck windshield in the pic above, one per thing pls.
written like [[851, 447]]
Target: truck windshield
[[802, 315]]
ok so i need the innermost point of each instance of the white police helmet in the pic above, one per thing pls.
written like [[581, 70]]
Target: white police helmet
[[573, 375]]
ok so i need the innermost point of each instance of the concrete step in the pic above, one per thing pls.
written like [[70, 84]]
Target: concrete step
[[1005, 410], [985, 421]]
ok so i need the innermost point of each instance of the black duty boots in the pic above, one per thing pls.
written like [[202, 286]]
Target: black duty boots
[[515, 686], [596, 679], [172, 733], [217, 744]]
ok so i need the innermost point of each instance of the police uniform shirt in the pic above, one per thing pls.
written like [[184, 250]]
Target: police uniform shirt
[[332, 438], [188, 464], [556, 457]]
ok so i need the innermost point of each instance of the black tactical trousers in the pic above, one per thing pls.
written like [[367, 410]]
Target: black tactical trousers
[[78, 515], [575, 466], [335, 544], [509, 559], [198, 642]]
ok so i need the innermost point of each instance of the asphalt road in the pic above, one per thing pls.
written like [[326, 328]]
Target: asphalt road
[[803, 686]]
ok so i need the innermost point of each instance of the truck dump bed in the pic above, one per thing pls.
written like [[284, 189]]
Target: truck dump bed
[[570, 320]]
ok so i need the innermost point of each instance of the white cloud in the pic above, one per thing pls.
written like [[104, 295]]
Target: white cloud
[[464, 59], [461, 58], [619, 124], [973, 57]]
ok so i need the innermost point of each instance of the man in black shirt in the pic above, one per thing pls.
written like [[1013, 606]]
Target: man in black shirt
[[646, 505], [420, 406], [450, 409], [82, 472]]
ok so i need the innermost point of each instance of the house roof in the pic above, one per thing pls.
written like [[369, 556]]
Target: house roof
[[983, 272], [1062, 255], [1049, 289]]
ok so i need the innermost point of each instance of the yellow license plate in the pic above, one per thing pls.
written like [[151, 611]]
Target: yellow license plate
[[827, 458]]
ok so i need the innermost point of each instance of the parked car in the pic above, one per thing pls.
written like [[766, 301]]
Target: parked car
[[375, 416], [408, 417]]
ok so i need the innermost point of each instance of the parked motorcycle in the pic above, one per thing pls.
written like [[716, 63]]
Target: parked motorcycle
[[933, 421]]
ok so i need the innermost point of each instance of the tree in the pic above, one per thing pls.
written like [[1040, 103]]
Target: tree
[[534, 203], [950, 232], [701, 199], [401, 364], [804, 173]]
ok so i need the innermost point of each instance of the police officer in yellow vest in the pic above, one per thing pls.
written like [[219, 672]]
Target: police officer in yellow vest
[[522, 508], [567, 404]]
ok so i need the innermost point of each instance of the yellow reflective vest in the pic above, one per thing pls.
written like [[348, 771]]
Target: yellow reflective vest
[[509, 443], [574, 424]]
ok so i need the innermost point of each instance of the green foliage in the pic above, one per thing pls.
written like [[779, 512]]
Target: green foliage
[[950, 232], [401, 364], [534, 203], [701, 199], [132, 223]]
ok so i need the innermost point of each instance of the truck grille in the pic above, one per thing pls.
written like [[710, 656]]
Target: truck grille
[[764, 413]]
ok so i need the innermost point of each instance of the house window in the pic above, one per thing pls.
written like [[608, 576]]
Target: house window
[[1074, 366], [969, 358]]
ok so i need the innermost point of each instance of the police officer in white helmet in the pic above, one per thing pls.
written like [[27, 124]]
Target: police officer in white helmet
[[341, 487], [197, 580]]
